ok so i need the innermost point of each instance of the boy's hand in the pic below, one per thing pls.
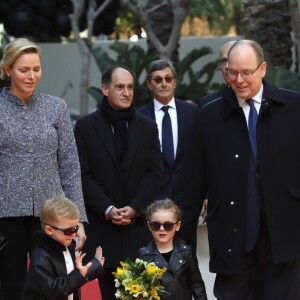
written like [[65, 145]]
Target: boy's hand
[[99, 256], [78, 263]]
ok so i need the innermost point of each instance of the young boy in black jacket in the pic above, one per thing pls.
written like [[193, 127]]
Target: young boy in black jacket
[[54, 272]]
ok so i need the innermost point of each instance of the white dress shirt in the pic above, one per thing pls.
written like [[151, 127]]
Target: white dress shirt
[[257, 103], [69, 266], [159, 114]]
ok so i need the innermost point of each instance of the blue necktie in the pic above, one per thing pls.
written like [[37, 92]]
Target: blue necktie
[[167, 137], [252, 120], [253, 191]]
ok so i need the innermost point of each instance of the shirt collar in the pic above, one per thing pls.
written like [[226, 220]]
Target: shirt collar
[[256, 98], [158, 105]]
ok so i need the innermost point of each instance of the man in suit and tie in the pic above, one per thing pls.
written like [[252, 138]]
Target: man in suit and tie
[[161, 81], [121, 167], [246, 154]]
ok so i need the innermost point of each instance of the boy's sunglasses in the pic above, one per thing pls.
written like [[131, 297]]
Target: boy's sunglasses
[[158, 79], [66, 231], [168, 226]]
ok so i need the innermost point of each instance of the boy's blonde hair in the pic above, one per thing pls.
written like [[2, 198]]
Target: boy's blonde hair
[[159, 205], [58, 207]]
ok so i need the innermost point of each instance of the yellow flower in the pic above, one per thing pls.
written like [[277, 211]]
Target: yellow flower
[[134, 289], [120, 272], [124, 264], [138, 279], [151, 269], [154, 293], [161, 272]]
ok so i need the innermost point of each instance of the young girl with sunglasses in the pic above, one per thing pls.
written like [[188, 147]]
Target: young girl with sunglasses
[[54, 272], [183, 279]]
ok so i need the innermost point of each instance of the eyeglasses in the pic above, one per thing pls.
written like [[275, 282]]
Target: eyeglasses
[[122, 87], [222, 61], [168, 226], [247, 74], [159, 79], [66, 231]]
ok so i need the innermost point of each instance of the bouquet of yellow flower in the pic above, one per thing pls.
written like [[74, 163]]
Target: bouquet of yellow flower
[[138, 280]]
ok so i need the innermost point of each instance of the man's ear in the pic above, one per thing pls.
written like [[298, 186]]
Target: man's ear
[[148, 83], [263, 68], [104, 89]]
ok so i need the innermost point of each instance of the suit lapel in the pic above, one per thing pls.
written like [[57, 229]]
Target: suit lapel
[[105, 133], [149, 111], [134, 132], [181, 128]]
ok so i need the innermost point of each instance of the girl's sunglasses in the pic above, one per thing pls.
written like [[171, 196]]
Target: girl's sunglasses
[[66, 231], [168, 226]]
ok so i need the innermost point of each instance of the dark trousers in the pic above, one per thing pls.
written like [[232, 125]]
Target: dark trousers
[[259, 277], [107, 284], [13, 258]]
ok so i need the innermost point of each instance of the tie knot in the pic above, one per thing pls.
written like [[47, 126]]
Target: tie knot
[[250, 102], [165, 108]]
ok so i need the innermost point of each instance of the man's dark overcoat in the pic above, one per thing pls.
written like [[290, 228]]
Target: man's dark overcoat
[[215, 96], [106, 183], [220, 166]]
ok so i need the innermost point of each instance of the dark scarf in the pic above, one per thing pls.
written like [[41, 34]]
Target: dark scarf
[[119, 119]]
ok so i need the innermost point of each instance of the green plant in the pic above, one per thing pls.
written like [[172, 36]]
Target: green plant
[[193, 84]]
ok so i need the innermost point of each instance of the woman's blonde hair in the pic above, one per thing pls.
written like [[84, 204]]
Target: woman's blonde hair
[[13, 50]]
